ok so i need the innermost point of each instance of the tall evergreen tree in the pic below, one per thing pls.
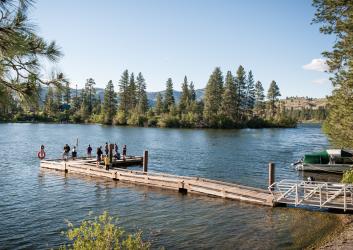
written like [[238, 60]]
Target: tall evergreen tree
[[213, 97], [49, 103], [159, 104], [142, 95], [259, 99], [109, 103], [169, 95], [272, 96], [192, 91], [89, 88], [185, 96], [58, 98], [124, 91], [132, 92], [240, 82], [229, 97], [250, 94], [67, 93], [337, 19]]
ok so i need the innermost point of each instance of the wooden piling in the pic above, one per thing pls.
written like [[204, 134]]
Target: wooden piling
[[271, 173], [145, 161], [111, 148]]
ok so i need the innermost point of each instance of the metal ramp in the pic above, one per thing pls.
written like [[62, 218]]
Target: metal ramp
[[313, 193]]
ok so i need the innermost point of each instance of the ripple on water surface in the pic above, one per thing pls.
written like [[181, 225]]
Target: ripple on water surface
[[34, 203]]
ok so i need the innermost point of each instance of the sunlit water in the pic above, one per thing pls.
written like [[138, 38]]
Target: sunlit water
[[35, 203]]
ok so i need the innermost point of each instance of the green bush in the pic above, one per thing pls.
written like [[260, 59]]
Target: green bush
[[136, 119], [101, 233], [168, 121], [347, 177], [120, 118]]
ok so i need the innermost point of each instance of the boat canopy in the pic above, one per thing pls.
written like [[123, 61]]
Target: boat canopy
[[321, 157]]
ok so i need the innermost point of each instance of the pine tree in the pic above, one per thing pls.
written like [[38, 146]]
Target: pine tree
[[250, 94], [142, 95], [67, 93], [185, 96], [259, 99], [337, 19], [169, 100], [109, 103], [89, 88], [132, 93], [124, 91], [240, 82], [213, 97], [192, 91], [159, 104], [58, 98], [49, 104], [229, 97], [272, 96]]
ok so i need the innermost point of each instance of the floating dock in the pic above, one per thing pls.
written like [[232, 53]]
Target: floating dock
[[183, 184]]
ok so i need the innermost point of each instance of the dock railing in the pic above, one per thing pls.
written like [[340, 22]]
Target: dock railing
[[313, 194]]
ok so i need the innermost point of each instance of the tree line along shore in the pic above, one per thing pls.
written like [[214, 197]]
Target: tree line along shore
[[233, 101]]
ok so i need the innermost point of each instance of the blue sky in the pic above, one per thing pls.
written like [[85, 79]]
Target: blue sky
[[174, 38]]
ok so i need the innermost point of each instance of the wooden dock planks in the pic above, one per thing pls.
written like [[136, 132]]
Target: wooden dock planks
[[168, 181]]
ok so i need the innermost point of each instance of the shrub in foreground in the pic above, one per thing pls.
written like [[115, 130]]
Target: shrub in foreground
[[101, 233]]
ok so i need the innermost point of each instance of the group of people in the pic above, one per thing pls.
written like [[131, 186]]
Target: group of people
[[66, 153], [99, 156]]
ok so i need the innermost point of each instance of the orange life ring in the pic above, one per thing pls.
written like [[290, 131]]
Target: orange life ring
[[41, 154]]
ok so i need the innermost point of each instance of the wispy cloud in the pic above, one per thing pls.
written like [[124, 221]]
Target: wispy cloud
[[317, 64], [321, 81]]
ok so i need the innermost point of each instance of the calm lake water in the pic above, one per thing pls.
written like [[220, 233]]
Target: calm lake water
[[35, 203]]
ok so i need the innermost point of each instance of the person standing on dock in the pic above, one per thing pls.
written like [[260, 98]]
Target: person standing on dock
[[116, 150], [66, 152], [106, 149], [89, 151], [124, 152], [99, 155], [74, 153]]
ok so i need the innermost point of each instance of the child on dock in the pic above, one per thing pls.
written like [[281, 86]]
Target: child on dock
[[74, 153]]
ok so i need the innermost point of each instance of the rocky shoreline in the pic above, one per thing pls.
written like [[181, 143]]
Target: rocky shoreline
[[340, 238]]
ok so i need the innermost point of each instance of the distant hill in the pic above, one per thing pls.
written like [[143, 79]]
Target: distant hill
[[296, 103]]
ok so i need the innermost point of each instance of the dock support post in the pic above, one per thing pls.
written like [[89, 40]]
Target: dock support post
[[145, 161], [271, 173], [111, 148]]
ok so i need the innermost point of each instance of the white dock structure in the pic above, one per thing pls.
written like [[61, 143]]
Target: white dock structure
[[313, 194]]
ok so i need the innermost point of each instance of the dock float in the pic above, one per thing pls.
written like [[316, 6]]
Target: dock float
[[183, 184]]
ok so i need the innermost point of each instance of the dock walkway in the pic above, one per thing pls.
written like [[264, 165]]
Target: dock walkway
[[183, 184]]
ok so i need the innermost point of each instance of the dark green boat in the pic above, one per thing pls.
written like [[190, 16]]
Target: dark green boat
[[331, 161]]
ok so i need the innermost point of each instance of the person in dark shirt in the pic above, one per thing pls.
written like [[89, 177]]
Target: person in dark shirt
[[66, 151], [89, 151], [74, 153], [99, 155], [106, 149]]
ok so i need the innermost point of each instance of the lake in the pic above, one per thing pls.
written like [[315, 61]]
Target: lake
[[35, 203]]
